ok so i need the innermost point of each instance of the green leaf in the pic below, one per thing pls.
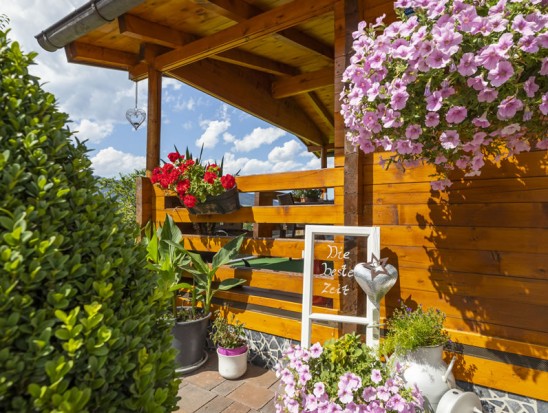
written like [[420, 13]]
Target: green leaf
[[227, 252], [226, 285]]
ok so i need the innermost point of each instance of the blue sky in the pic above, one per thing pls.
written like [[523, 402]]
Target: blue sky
[[97, 99]]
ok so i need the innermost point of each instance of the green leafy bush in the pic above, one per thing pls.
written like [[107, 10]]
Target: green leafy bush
[[80, 329]]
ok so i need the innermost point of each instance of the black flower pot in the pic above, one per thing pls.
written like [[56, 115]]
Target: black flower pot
[[225, 203], [189, 338]]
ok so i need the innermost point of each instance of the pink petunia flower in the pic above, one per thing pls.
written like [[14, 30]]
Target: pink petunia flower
[[508, 107], [456, 114], [501, 73], [467, 65], [530, 87], [449, 139], [432, 119]]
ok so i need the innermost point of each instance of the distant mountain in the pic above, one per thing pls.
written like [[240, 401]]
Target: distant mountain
[[247, 198]]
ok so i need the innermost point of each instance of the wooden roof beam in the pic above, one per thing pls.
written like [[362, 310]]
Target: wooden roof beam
[[151, 32], [239, 11], [86, 53], [320, 109], [265, 24], [249, 91], [306, 82]]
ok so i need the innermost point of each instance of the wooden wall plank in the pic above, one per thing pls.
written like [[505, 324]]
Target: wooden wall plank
[[282, 326], [468, 238], [513, 215], [504, 190], [301, 214], [508, 263], [320, 178]]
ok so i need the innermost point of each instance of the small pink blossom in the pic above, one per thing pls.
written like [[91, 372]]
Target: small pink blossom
[[440, 185], [434, 101], [544, 105], [376, 376], [413, 131], [499, 75], [487, 95], [432, 119], [449, 139], [456, 114], [530, 87], [437, 59], [467, 65], [508, 107]]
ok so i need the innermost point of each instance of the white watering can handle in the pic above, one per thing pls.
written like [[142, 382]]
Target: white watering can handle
[[449, 368], [476, 410]]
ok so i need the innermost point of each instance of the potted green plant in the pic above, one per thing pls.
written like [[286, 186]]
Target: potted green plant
[[231, 346], [307, 195], [170, 259], [416, 338]]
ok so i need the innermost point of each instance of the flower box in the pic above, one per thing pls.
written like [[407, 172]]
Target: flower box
[[225, 203]]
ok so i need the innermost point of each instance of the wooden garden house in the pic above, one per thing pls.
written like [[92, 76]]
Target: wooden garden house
[[478, 252]]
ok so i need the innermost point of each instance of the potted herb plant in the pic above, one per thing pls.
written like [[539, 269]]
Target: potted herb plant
[[342, 375], [231, 346], [416, 338]]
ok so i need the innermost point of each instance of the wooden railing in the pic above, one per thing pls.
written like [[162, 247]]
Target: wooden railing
[[270, 301]]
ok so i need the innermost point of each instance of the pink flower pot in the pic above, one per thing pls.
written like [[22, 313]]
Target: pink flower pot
[[232, 351]]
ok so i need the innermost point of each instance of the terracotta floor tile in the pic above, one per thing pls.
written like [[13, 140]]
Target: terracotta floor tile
[[217, 405], [269, 407], [236, 408], [252, 395], [205, 379], [192, 398], [226, 387], [260, 377]]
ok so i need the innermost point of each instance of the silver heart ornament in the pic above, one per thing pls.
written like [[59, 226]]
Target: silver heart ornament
[[136, 117], [375, 279]]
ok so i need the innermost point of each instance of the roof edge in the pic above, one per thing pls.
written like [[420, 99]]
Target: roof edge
[[81, 21]]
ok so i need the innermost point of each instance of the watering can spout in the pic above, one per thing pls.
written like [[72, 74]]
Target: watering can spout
[[449, 368]]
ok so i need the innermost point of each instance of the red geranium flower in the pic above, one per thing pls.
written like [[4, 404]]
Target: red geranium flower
[[174, 156], [189, 201], [210, 177], [228, 181]]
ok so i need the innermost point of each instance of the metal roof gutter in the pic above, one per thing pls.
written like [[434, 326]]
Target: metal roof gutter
[[84, 19]]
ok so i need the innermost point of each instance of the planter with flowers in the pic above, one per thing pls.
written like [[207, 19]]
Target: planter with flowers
[[416, 339], [231, 346], [203, 189], [343, 375], [450, 84]]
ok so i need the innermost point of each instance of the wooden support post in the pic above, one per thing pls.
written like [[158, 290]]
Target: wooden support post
[[346, 21], [154, 118], [143, 200], [264, 199]]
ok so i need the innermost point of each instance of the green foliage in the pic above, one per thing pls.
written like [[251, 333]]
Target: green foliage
[[408, 330], [339, 356], [307, 193], [167, 260], [80, 327], [122, 191], [203, 273], [225, 334]]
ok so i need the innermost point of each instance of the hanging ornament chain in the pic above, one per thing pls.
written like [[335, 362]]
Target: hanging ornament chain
[[136, 116]]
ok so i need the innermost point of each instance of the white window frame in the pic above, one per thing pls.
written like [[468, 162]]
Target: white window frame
[[372, 318]]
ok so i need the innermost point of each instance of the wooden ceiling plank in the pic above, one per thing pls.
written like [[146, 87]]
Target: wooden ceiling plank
[[322, 111], [265, 24], [87, 53], [240, 11], [151, 32], [249, 91], [252, 61], [306, 82]]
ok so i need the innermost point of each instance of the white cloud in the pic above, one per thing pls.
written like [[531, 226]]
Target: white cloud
[[94, 132], [187, 125], [110, 162], [284, 153], [212, 130], [256, 166], [228, 137], [257, 138]]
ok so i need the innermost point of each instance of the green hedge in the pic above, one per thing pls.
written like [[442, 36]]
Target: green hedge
[[80, 327]]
